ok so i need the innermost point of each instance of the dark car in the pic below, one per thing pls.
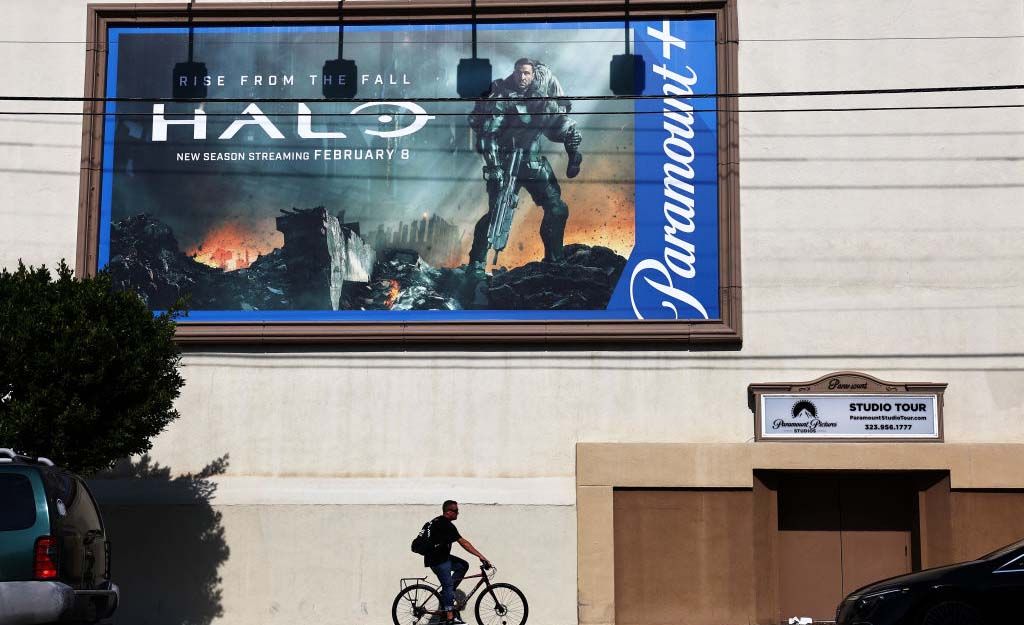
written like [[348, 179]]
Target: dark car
[[54, 553], [986, 591]]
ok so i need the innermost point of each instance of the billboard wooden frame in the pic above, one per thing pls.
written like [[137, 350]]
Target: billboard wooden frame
[[725, 332]]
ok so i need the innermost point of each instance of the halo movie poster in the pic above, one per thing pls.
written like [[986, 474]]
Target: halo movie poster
[[546, 199]]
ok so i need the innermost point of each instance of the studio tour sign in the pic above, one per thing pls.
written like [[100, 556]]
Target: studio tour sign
[[847, 406]]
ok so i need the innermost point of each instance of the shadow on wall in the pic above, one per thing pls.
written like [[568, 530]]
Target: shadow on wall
[[167, 542]]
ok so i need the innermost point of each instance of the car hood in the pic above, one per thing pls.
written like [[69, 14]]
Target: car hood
[[927, 576]]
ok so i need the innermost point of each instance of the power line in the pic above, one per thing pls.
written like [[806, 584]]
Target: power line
[[953, 107], [279, 44], [934, 38], [590, 98]]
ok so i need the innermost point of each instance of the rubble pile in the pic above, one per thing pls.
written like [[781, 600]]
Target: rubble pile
[[584, 281], [265, 281], [325, 265], [401, 280], [145, 257]]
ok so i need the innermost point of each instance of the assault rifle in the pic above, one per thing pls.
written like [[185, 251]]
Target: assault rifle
[[505, 207]]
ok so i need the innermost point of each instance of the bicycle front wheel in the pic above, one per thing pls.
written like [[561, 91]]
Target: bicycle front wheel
[[503, 604], [418, 604]]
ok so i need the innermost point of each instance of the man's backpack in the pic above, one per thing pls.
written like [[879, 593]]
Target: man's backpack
[[422, 544]]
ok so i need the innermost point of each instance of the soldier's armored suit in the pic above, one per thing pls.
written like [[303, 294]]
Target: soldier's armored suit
[[502, 126]]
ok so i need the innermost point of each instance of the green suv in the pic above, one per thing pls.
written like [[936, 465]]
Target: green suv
[[54, 553]]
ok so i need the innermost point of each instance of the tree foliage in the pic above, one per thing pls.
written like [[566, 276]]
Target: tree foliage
[[88, 375]]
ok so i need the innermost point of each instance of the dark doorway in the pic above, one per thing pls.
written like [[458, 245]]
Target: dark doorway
[[838, 532]]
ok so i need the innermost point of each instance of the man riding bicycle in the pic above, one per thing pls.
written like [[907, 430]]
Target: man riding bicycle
[[449, 569]]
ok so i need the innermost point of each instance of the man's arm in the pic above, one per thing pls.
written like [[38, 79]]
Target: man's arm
[[564, 131], [468, 546]]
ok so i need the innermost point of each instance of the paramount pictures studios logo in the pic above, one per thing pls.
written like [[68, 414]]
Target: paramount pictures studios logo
[[805, 419]]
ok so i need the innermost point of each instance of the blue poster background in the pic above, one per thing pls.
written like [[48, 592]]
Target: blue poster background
[[696, 60]]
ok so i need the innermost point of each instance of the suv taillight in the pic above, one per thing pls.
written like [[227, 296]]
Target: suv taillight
[[45, 564]]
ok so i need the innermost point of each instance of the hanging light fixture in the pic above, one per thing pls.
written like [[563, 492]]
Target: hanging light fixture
[[189, 77], [474, 75], [339, 76], [627, 74]]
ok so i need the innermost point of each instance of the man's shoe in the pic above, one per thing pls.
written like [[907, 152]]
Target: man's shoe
[[457, 620]]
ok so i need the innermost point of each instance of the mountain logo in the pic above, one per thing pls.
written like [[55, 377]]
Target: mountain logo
[[804, 409]]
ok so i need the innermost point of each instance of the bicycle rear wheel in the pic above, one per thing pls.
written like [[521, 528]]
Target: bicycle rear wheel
[[418, 604], [503, 604]]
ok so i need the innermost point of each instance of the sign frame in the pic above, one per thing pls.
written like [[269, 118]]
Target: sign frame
[[725, 331], [846, 384]]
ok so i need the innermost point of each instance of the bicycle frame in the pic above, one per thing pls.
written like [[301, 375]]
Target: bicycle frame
[[485, 580]]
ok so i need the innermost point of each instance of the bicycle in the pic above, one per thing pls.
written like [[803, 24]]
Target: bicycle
[[419, 601]]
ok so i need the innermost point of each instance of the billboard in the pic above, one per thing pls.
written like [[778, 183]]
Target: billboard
[[547, 200]]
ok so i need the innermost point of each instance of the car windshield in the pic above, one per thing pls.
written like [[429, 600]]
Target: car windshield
[[1002, 551]]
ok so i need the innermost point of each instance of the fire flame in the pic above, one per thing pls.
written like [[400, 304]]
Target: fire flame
[[392, 294], [230, 246]]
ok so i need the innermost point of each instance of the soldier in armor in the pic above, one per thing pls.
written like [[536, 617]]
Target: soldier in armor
[[502, 124]]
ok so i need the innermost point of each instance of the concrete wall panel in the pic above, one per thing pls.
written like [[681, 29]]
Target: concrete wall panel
[[684, 556], [985, 521]]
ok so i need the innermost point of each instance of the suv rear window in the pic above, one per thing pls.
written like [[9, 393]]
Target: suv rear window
[[18, 511]]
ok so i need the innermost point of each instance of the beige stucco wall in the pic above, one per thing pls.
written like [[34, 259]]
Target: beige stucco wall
[[323, 564], [886, 242]]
